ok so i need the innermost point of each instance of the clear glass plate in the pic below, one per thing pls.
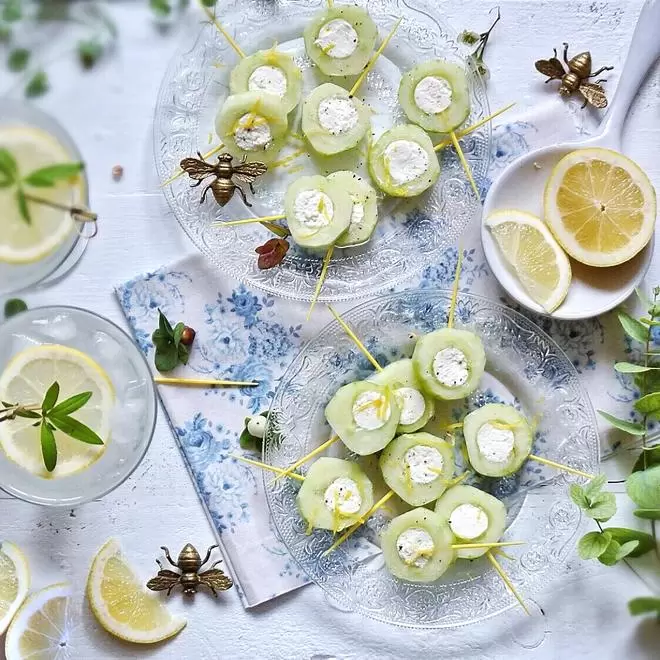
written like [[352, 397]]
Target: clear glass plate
[[524, 368], [411, 233]]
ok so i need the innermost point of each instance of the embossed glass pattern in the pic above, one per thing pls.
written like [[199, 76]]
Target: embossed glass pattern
[[411, 233], [524, 368]]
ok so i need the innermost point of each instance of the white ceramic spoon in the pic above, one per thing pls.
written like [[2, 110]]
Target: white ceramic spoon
[[593, 290]]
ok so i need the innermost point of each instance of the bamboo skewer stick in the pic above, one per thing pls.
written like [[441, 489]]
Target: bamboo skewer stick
[[265, 466], [469, 129], [319, 284], [464, 163], [205, 156], [230, 40], [373, 59], [355, 339], [454, 293], [204, 382], [560, 466], [506, 580], [499, 544], [247, 221], [304, 459]]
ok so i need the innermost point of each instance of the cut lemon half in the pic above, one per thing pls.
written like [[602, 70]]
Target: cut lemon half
[[42, 626], [600, 206], [26, 379], [22, 242], [537, 259], [121, 604], [14, 582]]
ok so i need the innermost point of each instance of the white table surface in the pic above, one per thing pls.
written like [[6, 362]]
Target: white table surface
[[109, 112]]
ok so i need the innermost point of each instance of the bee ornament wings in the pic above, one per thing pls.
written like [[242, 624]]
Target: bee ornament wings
[[197, 168], [165, 580], [593, 93], [552, 68], [216, 580]]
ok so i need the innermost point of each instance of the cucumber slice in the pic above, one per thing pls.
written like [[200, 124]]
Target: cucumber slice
[[340, 40], [364, 216], [473, 517], [417, 547], [364, 415], [252, 124], [403, 163], [335, 494], [435, 95], [416, 407], [498, 439], [270, 72], [332, 120], [449, 363], [417, 467], [318, 211]]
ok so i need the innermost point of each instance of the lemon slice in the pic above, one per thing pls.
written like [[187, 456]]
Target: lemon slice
[[26, 379], [42, 626], [600, 206], [21, 242], [120, 603], [539, 262], [14, 582]]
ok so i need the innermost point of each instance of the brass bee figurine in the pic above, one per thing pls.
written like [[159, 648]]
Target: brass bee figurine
[[575, 79], [190, 563], [224, 185]]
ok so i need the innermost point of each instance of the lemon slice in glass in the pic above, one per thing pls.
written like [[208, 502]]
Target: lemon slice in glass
[[537, 259], [14, 582], [121, 604], [600, 206], [22, 242], [42, 626], [27, 378]]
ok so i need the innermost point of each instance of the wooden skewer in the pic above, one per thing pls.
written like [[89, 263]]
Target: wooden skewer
[[501, 544], [265, 466], [469, 129], [247, 221], [454, 293], [464, 163], [304, 459], [373, 59], [208, 154], [506, 580], [560, 466], [223, 32], [360, 522], [319, 284], [203, 382], [355, 339]]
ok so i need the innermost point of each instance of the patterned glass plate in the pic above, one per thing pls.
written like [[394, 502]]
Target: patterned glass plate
[[524, 368], [411, 234]]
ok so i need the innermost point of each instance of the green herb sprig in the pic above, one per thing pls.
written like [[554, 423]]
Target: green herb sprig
[[477, 41], [50, 416], [172, 343], [610, 545]]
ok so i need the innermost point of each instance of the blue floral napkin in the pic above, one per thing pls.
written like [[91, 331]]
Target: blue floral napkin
[[245, 335]]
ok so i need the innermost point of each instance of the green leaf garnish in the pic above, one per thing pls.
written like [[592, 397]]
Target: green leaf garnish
[[71, 404], [644, 605], [8, 168], [622, 535], [166, 358], [164, 325], [593, 544], [590, 498], [643, 488], [630, 368], [14, 306], [23, 206], [648, 458], [48, 446], [49, 176], [50, 399], [75, 429], [648, 404], [37, 85], [633, 428], [18, 59], [161, 8], [170, 350], [12, 11], [633, 328], [89, 52], [648, 514]]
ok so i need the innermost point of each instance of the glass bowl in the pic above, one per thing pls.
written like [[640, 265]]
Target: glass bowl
[[46, 271], [132, 420], [411, 234], [524, 368]]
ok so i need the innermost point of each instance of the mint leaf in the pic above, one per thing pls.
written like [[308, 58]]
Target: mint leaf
[[178, 331], [8, 168], [577, 495], [18, 59], [75, 429], [593, 544], [647, 459], [183, 353], [48, 446], [643, 488], [209, 3], [594, 487], [14, 306], [23, 206], [648, 514], [631, 428], [47, 177], [626, 549], [37, 85], [609, 557], [602, 507], [167, 357], [165, 326], [631, 368], [649, 404], [71, 404], [623, 535], [644, 605], [633, 328], [89, 52], [50, 399], [161, 8], [12, 11]]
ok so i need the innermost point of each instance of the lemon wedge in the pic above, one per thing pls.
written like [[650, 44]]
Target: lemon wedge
[[537, 259], [14, 582], [26, 379], [120, 603], [42, 626], [600, 206], [22, 242]]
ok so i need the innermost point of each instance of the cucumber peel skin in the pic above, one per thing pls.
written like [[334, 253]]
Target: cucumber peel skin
[[494, 509], [443, 554], [523, 438], [358, 189]]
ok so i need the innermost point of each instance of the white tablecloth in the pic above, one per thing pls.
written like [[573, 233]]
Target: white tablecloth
[[108, 111]]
